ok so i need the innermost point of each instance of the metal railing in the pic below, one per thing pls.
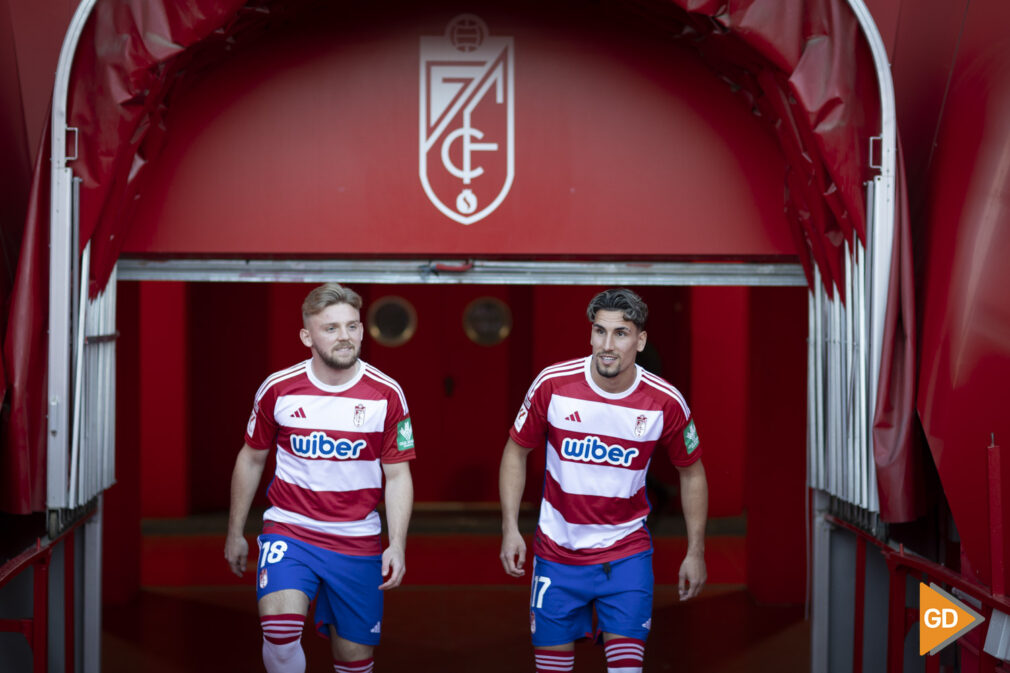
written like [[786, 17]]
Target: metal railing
[[93, 455], [840, 459]]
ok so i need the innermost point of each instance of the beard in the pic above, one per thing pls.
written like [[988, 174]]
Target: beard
[[340, 361], [610, 373]]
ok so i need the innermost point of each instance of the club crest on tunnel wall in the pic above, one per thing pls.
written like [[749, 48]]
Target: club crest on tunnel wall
[[467, 120]]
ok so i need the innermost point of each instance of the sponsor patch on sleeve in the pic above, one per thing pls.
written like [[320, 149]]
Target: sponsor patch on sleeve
[[690, 437], [521, 418], [250, 427], [404, 435]]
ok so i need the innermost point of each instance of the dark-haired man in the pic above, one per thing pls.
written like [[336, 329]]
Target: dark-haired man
[[601, 417], [338, 426]]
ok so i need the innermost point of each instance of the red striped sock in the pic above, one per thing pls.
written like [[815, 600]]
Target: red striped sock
[[362, 666], [282, 647], [282, 629], [554, 661], [624, 655]]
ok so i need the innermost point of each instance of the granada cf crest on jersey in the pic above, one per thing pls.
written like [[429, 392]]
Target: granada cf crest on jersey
[[640, 425], [359, 415], [467, 120]]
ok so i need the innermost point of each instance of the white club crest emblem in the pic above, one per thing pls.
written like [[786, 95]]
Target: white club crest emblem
[[263, 579], [467, 119], [640, 423], [359, 415]]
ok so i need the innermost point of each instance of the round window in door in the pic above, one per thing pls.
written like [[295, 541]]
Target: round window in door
[[487, 321], [392, 320]]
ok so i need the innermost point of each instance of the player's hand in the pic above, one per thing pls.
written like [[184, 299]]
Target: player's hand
[[392, 565], [513, 553], [692, 576], [236, 553]]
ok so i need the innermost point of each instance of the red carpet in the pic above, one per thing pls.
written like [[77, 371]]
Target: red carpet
[[198, 560]]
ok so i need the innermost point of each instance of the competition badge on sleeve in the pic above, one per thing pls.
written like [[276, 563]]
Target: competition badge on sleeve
[[521, 418], [404, 435], [690, 437], [467, 119]]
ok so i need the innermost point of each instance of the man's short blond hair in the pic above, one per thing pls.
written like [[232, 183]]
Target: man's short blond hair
[[327, 295]]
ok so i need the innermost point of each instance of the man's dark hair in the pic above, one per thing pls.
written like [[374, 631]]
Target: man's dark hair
[[620, 299]]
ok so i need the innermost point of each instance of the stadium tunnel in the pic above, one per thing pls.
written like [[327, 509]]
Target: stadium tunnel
[[273, 145], [620, 163]]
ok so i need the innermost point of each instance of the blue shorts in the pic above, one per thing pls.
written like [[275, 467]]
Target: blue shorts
[[563, 596], [347, 586]]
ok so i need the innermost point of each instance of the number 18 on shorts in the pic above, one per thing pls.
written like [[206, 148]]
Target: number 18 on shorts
[[346, 587]]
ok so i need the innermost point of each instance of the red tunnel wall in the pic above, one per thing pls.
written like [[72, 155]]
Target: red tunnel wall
[[307, 142]]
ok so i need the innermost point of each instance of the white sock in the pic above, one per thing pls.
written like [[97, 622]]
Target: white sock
[[624, 655], [282, 643]]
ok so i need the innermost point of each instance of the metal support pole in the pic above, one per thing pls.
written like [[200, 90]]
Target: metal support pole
[[880, 228], [895, 618], [61, 255], [92, 594], [821, 608], [69, 626], [40, 614], [998, 570], [859, 606], [75, 434]]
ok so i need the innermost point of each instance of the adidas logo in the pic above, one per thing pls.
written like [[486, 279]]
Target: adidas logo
[[299, 414], [377, 628], [574, 417]]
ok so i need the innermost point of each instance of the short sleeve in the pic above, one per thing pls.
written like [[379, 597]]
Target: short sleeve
[[530, 425], [398, 436], [261, 430], [680, 437]]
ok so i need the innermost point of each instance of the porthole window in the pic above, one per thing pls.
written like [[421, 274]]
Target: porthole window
[[487, 321], [392, 321]]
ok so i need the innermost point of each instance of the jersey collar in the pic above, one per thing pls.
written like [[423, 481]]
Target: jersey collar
[[335, 389], [603, 393]]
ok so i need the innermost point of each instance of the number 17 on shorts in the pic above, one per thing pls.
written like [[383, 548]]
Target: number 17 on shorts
[[540, 586]]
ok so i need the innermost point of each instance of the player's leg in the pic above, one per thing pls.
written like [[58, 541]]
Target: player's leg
[[282, 616], [554, 658], [560, 612], [624, 612], [284, 583], [349, 656], [350, 605], [624, 654]]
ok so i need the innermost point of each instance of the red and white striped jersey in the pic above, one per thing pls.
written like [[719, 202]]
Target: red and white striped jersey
[[331, 441], [599, 446]]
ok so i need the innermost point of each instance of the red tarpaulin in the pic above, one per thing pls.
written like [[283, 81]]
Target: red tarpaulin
[[900, 475], [115, 90], [804, 66], [964, 329]]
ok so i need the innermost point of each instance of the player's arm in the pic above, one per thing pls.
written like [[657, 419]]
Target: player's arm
[[399, 503], [245, 479], [511, 483], [694, 500]]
